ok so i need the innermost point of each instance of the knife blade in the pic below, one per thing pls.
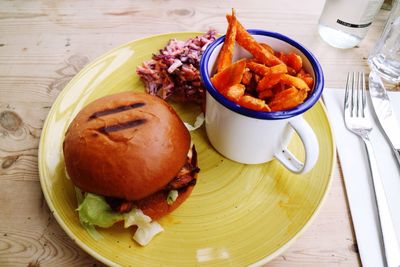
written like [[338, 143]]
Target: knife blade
[[384, 112]]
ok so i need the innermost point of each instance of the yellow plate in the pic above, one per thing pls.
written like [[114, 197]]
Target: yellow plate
[[237, 214]]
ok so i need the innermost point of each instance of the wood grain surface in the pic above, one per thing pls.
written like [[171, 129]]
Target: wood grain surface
[[43, 44]]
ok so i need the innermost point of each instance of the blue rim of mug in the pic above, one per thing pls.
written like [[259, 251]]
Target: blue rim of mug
[[276, 115]]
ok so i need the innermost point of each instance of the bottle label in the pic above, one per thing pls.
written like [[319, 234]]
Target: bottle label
[[364, 17], [352, 25]]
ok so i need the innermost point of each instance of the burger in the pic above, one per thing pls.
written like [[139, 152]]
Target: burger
[[131, 159]]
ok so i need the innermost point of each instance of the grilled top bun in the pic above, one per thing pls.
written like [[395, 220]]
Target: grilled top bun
[[126, 145]]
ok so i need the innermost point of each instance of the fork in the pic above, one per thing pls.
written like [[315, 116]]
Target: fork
[[358, 122]]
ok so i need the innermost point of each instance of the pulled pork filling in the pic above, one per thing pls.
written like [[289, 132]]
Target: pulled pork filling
[[184, 179], [174, 72]]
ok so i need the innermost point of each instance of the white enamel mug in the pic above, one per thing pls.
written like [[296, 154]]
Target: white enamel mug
[[253, 137]]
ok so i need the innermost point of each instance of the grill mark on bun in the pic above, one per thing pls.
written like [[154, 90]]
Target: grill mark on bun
[[105, 112], [121, 126]]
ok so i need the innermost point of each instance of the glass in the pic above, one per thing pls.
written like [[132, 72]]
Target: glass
[[344, 23], [385, 57]]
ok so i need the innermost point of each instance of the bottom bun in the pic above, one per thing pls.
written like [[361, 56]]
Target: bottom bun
[[156, 205]]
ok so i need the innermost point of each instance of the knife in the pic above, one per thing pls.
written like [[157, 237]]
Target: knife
[[384, 112]]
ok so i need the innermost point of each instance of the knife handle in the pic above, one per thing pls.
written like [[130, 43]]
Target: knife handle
[[389, 237], [397, 154]]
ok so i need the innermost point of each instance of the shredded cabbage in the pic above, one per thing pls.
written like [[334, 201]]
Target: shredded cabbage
[[94, 211]]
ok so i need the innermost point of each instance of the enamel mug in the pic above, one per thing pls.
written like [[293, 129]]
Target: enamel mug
[[252, 137]]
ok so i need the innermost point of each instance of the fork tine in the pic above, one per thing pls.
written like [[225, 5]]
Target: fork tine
[[346, 94], [353, 95], [359, 95], [364, 98]]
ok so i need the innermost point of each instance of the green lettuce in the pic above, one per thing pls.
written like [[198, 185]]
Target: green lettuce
[[88, 227], [94, 211], [172, 196]]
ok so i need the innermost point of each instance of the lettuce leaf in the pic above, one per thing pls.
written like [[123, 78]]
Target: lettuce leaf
[[197, 124], [89, 228], [94, 211], [146, 228], [144, 235], [136, 217], [172, 196]]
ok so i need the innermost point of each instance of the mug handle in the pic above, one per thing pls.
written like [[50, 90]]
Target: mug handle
[[311, 147]]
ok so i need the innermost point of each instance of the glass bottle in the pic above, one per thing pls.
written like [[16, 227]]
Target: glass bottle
[[344, 23]]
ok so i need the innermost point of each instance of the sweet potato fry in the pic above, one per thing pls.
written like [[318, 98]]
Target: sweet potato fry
[[258, 68], [266, 46], [257, 50], [308, 80], [287, 99], [291, 71], [269, 81], [278, 88], [282, 56], [306, 77], [265, 94], [294, 81], [257, 78], [226, 53], [229, 76], [247, 75], [294, 61], [253, 103], [279, 69], [235, 92]]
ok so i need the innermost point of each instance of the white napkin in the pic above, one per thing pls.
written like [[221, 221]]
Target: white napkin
[[357, 177]]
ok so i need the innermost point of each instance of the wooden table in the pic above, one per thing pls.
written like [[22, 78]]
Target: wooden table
[[43, 44]]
